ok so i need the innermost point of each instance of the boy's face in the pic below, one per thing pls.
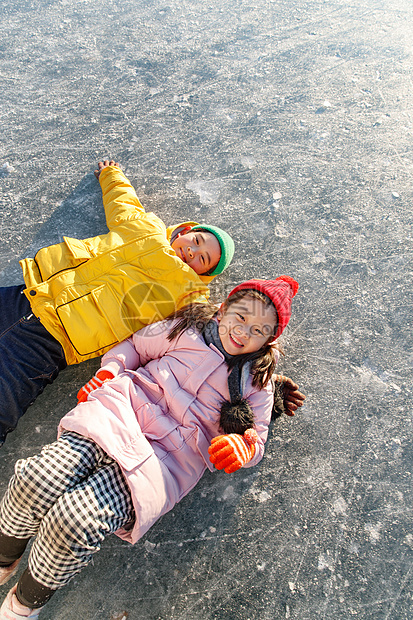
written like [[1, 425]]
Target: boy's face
[[246, 325], [199, 249]]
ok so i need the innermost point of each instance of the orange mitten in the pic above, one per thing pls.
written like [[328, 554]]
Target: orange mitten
[[231, 452], [95, 382]]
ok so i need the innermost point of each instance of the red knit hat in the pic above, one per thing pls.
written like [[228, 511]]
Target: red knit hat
[[280, 291]]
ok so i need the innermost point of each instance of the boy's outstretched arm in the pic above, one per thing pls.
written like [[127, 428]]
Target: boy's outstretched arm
[[120, 201]]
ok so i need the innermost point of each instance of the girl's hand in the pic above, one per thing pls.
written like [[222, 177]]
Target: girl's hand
[[231, 452], [292, 397], [95, 382]]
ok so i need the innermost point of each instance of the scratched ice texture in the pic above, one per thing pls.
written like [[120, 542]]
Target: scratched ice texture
[[289, 123]]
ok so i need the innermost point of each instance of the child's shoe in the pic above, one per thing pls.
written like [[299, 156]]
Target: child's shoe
[[13, 610], [7, 572]]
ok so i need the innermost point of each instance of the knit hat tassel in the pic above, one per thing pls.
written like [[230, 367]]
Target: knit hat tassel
[[236, 416]]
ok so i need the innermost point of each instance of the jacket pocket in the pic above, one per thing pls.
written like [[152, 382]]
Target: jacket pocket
[[87, 324], [134, 454], [77, 249], [55, 259]]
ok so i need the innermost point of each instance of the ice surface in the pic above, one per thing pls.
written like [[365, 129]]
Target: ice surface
[[289, 123]]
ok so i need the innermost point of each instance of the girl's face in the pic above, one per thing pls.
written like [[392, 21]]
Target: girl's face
[[246, 325]]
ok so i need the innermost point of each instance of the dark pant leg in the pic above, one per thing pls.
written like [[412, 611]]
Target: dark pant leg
[[11, 548], [30, 357], [32, 593]]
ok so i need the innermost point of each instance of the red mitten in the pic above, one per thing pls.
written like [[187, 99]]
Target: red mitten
[[95, 382], [231, 452]]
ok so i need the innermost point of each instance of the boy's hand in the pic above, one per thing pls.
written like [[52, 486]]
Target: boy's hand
[[105, 164], [292, 397], [95, 382], [231, 452]]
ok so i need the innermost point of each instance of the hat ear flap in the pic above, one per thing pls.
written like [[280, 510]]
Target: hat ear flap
[[184, 231]]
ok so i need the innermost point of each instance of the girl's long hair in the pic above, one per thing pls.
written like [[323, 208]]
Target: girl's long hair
[[196, 316]]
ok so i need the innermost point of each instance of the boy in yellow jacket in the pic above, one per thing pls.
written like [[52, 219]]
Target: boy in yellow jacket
[[81, 297]]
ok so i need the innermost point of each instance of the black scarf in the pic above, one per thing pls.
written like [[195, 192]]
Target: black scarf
[[236, 414], [211, 336]]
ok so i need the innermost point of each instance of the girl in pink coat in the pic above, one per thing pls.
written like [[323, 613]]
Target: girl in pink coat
[[186, 394]]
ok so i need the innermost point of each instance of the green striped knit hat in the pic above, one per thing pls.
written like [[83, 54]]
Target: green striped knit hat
[[226, 244]]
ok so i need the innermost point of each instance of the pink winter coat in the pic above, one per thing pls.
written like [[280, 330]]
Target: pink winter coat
[[157, 417]]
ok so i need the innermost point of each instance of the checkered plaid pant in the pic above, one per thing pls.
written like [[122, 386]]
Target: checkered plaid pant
[[70, 497]]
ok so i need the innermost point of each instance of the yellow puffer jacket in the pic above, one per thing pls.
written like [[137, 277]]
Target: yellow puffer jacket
[[91, 294]]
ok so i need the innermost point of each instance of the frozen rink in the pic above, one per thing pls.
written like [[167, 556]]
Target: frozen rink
[[290, 124]]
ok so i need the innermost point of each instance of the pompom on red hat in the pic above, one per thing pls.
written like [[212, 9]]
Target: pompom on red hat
[[281, 292]]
